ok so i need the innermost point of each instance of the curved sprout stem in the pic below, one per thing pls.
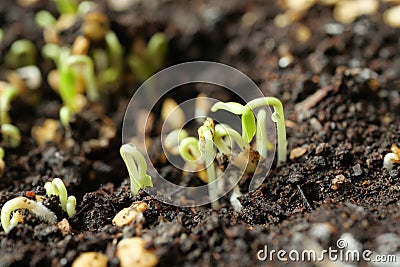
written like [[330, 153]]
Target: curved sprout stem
[[248, 120], [232, 107], [71, 206], [279, 118], [88, 74], [115, 50], [57, 187], [173, 139], [222, 130], [137, 167], [6, 97], [34, 207], [189, 149]]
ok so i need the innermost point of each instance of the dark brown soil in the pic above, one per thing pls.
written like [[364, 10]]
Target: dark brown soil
[[345, 133]]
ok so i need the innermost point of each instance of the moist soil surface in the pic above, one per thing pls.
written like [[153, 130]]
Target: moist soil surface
[[340, 92]]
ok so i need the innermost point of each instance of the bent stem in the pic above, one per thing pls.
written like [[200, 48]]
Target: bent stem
[[173, 139], [189, 150], [279, 118], [137, 168], [248, 120], [34, 207], [57, 187], [115, 50], [68, 76]]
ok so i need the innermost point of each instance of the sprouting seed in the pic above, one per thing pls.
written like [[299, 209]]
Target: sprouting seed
[[137, 167], [56, 187], [34, 207]]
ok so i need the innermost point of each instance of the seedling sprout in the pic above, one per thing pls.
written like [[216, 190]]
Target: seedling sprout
[[249, 126], [10, 134], [137, 168], [392, 158], [206, 144], [34, 207], [56, 187]]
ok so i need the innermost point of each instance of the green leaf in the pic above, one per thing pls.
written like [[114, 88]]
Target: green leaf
[[232, 107], [248, 125], [68, 83], [157, 49]]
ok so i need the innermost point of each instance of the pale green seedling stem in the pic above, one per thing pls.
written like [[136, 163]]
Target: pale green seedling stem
[[137, 167], [189, 149], [57, 187], [88, 74], [115, 50], [34, 207], [248, 120], [173, 139], [6, 96], [206, 144], [279, 118], [66, 6]]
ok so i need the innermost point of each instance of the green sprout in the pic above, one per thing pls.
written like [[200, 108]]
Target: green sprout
[[57, 188], [66, 6], [279, 118], [248, 120], [10, 134], [34, 207], [151, 59], [137, 167], [190, 152], [199, 151], [21, 53], [69, 82], [7, 95], [115, 53], [70, 67], [221, 132], [44, 19], [249, 126], [69, 79], [173, 139]]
